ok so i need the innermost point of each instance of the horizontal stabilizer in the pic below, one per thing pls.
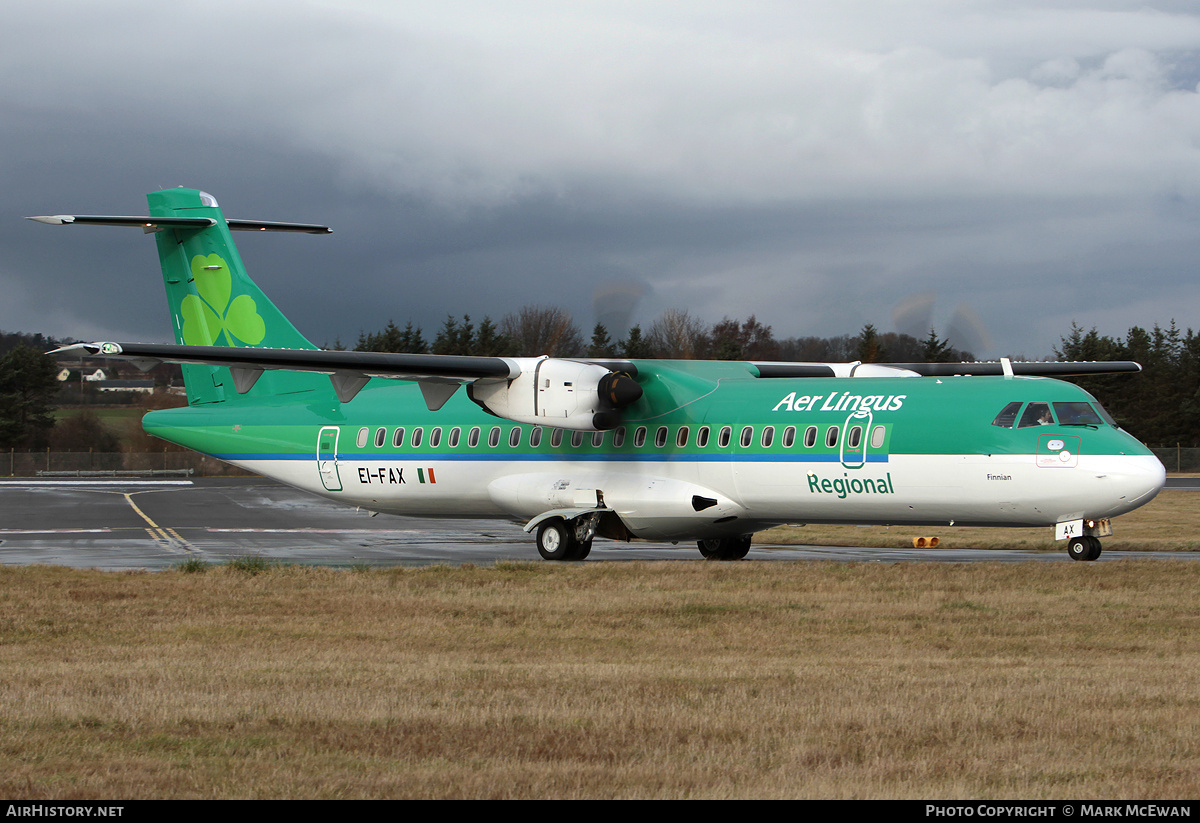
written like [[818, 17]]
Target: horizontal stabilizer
[[152, 224]]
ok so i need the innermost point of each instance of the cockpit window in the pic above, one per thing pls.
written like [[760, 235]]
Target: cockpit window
[[1079, 414], [1106, 417], [1007, 415], [1036, 414]]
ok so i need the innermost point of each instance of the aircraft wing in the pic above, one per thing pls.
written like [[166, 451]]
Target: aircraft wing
[[349, 370], [573, 394], [979, 368], [582, 395]]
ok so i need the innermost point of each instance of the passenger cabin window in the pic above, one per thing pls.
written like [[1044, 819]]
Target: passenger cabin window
[[1076, 414], [514, 437], [494, 437], [789, 437], [380, 437], [556, 438], [854, 438], [1007, 415], [363, 433], [435, 437], [831, 436], [455, 433], [810, 437], [723, 437], [660, 437], [682, 437], [1036, 414], [535, 437], [768, 437], [576, 439], [877, 437], [416, 437], [639, 437], [398, 437], [473, 437], [597, 439], [747, 436], [619, 437], [702, 437]]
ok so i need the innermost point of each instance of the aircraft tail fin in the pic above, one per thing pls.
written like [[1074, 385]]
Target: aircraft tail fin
[[213, 302]]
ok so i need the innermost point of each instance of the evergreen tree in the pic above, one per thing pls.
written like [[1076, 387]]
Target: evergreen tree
[[488, 341], [870, 347], [601, 345], [28, 385], [936, 350], [634, 346]]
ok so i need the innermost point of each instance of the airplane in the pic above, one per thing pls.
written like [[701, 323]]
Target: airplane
[[579, 448]]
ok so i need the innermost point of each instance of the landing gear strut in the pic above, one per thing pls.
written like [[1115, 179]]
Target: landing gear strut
[[1084, 548], [725, 548]]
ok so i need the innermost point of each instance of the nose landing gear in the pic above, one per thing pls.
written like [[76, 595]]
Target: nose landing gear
[[1084, 547]]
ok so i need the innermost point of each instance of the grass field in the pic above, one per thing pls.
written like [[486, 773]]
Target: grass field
[[611, 680], [1171, 522]]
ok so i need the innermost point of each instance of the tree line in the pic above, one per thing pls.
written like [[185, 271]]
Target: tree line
[[675, 335], [1160, 406]]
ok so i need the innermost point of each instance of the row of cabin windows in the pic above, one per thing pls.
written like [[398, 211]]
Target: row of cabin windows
[[854, 437]]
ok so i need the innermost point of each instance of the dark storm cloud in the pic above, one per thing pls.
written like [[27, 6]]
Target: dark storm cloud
[[810, 163]]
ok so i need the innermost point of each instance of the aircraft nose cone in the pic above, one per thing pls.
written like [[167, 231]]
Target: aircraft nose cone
[[1140, 478]]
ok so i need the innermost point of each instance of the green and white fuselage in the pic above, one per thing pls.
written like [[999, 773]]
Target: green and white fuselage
[[925, 452], [671, 450]]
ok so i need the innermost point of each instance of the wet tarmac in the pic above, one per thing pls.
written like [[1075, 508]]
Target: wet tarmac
[[117, 524]]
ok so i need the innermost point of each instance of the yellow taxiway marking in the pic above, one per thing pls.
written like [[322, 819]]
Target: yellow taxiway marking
[[168, 538]]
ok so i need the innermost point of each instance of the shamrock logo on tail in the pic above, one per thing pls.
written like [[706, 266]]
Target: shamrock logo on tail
[[207, 316]]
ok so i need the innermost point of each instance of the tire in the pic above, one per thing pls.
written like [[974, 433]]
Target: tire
[[738, 548], [1079, 548], [556, 540], [582, 550], [725, 548], [1094, 553]]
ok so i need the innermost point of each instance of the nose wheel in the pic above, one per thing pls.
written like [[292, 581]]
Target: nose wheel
[[1084, 548]]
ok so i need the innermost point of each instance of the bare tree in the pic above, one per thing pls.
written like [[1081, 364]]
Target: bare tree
[[538, 330], [676, 335]]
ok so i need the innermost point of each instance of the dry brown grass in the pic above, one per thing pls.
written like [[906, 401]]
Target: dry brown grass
[[1047, 680], [1171, 522]]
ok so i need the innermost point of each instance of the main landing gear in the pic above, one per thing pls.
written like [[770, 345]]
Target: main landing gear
[[725, 548], [559, 540], [1084, 548]]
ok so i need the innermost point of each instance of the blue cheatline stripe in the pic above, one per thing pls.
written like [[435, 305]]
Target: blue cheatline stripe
[[555, 457]]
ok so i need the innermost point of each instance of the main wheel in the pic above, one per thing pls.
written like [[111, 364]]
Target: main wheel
[[556, 540], [738, 547], [1094, 554], [725, 548]]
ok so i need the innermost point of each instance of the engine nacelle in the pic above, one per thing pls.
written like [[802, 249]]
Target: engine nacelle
[[565, 394]]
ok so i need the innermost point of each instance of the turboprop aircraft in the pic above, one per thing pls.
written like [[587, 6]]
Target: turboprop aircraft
[[664, 449]]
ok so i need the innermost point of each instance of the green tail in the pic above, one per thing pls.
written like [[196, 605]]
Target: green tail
[[214, 303]]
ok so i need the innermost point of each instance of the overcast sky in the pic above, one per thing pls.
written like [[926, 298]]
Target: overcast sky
[[1000, 168]]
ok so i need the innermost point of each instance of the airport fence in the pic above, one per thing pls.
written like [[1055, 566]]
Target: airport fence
[[1179, 459], [92, 464]]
